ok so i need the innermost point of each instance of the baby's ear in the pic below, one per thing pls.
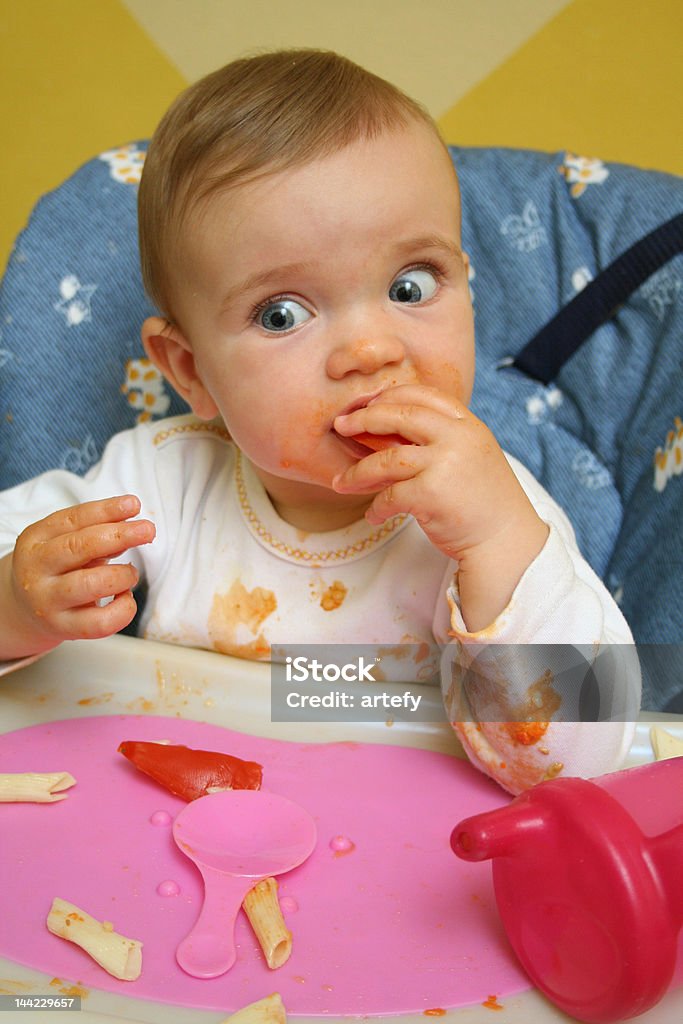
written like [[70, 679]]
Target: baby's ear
[[172, 354]]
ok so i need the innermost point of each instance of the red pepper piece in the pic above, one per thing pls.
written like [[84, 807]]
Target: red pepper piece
[[191, 773], [377, 442]]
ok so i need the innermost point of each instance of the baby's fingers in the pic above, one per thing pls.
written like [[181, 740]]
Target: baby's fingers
[[400, 497], [99, 542], [87, 586], [70, 551], [380, 469], [78, 517], [94, 622]]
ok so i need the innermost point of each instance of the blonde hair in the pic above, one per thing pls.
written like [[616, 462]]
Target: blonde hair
[[255, 116]]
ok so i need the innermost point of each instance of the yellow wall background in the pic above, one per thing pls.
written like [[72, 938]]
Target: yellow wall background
[[600, 77]]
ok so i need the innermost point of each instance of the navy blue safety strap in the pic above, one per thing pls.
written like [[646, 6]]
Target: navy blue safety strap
[[546, 353]]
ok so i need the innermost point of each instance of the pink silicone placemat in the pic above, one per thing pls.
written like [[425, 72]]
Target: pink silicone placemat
[[394, 924]]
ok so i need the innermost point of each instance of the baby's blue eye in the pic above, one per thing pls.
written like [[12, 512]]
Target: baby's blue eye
[[282, 315], [413, 286]]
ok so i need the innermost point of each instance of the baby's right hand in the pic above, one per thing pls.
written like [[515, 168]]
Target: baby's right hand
[[51, 585]]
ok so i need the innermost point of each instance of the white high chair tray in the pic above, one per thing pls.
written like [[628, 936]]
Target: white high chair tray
[[123, 675]]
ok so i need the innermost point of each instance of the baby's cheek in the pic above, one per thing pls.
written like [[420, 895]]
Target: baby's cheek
[[454, 383], [451, 379], [302, 431], [290, 460]]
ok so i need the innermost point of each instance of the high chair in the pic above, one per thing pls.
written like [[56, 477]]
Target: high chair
[[577, 285]]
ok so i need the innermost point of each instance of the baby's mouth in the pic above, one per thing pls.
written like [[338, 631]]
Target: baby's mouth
[[364, 443], [353, 445], [359, 403]]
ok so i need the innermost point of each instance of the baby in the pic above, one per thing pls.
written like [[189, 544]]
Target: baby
[[300, 236]]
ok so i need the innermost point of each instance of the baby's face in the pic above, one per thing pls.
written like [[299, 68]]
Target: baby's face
[[310, 291]]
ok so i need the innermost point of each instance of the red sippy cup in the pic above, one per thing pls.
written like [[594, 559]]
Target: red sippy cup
[[588, 878]]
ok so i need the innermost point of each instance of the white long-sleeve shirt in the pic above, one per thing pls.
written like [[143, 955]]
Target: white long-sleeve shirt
[[227, 574]]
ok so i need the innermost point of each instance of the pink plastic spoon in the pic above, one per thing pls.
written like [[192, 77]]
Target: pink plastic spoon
[[236, 838]]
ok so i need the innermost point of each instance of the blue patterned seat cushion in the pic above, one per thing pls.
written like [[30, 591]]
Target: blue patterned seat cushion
[[71, 308], [605, 438]]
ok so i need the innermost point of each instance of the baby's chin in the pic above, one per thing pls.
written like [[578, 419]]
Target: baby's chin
[[314, 468], [309, 501]]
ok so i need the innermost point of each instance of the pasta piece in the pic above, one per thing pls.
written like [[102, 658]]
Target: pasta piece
[[270, 1010], [34, 787], [119, 956], [665, 745], [263, 910]]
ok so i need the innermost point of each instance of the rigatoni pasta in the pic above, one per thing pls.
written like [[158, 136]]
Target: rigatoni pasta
[[262, 907], [665, 745], [270, 1010], [119, 956], [34, 787]]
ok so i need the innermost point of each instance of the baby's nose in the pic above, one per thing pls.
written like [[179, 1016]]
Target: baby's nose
[[364, 355]]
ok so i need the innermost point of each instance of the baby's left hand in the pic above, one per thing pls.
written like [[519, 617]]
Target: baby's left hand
[[455, 480]]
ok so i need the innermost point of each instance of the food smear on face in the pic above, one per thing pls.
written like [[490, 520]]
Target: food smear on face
[[189, 773], [378, 442]]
